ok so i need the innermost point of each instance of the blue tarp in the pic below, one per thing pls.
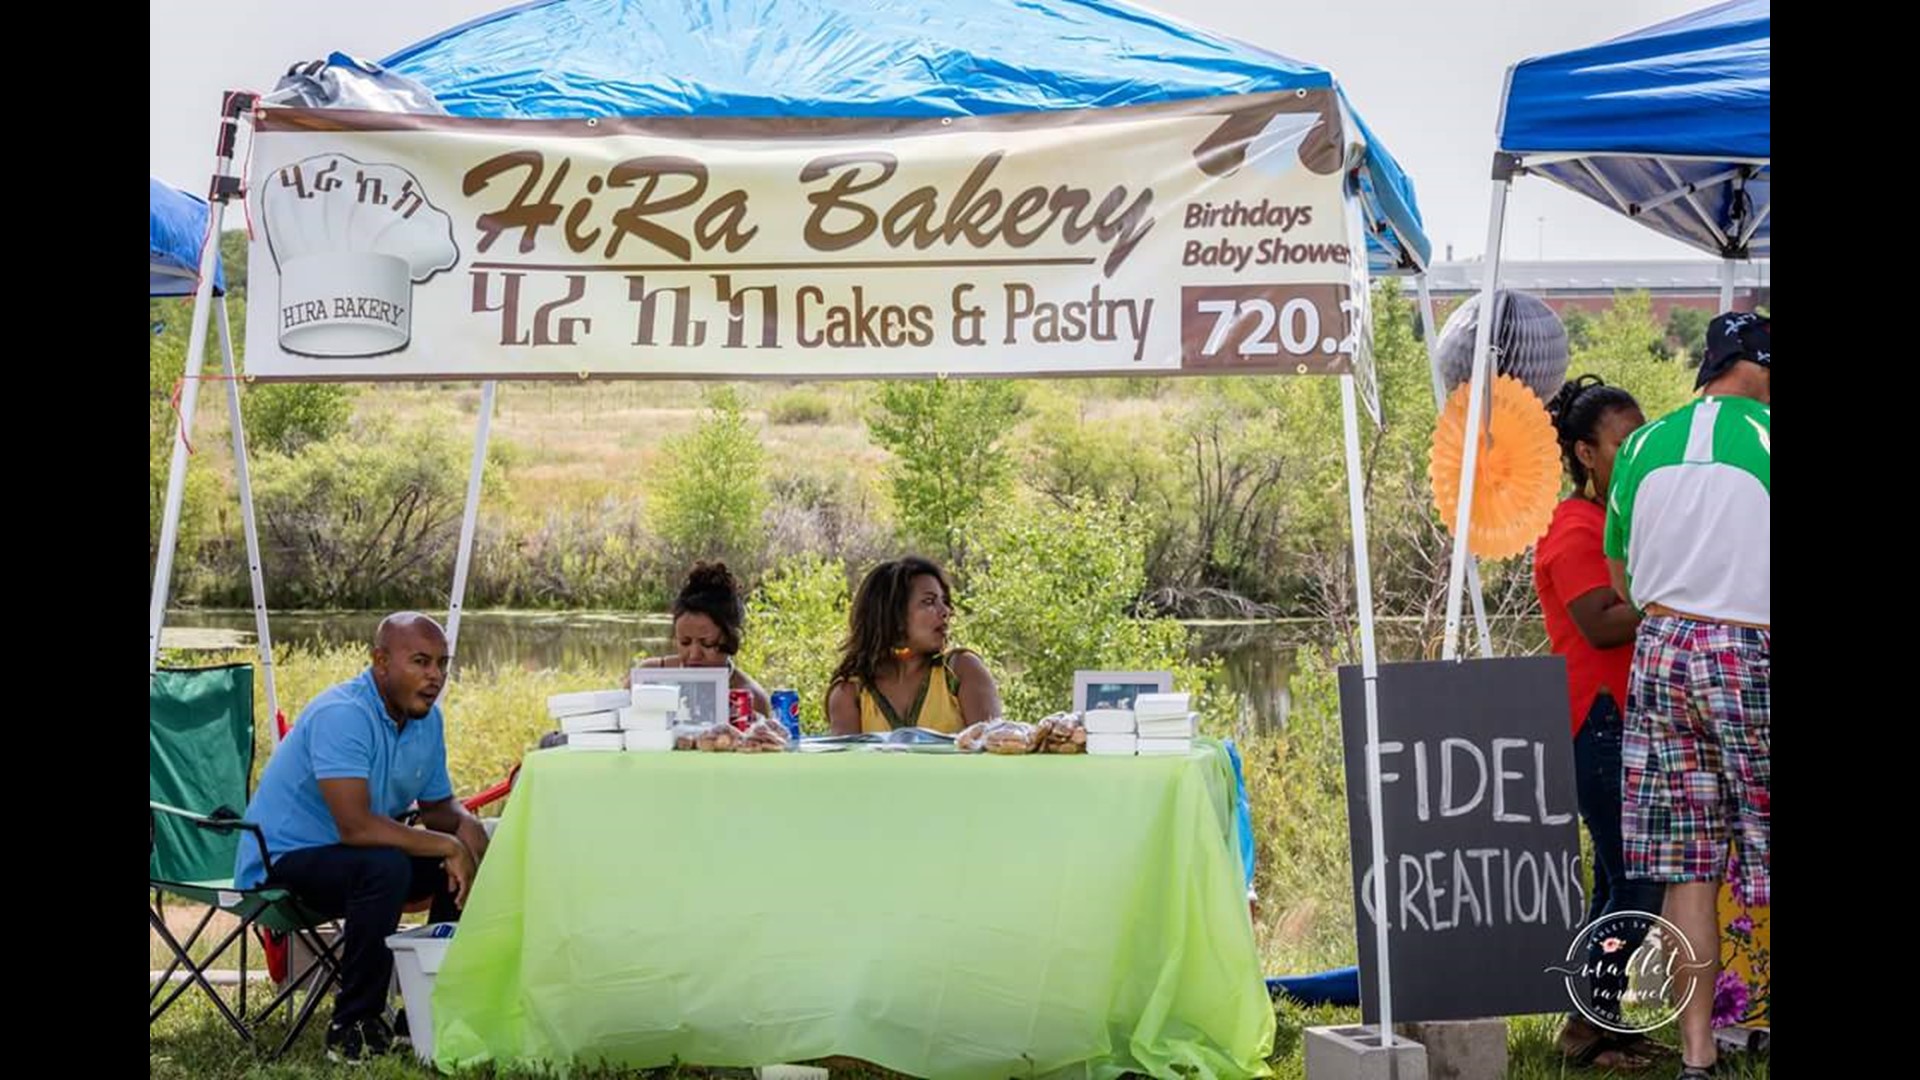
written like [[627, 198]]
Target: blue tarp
[[1696, 87], [898, 58], [177, 227], [1341, 986]]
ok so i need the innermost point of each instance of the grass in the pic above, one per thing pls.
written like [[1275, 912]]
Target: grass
[[800, 407], [1295, 783], [192, 1043], [576, 443]]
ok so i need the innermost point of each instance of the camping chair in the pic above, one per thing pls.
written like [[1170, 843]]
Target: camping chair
[[200, 763]]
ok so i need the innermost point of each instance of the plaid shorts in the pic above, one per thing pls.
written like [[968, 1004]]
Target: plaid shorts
[[1697, 771]]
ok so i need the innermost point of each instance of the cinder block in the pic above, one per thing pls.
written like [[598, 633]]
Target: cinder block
[[1356, 1053], [1461, 1049]]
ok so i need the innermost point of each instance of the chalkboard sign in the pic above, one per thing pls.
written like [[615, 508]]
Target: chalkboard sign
[[1484, 885]]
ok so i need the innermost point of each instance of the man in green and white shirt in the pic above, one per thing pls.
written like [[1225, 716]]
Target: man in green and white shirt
[[1690, 543]]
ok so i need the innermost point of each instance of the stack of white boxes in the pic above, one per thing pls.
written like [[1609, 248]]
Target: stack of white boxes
[[1157, 724], [1164, 722], [647, 724], [1111, 731], [640, 719]]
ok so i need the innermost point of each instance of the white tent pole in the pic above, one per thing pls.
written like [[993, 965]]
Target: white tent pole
[[1600, 180], [1753, 226], [189, 398], [470, 518], [1369, 673], [177, 472], [1726, 285], [1685, 188], [1429, 333], [244, 474], [1699, 211], [1476, 404]]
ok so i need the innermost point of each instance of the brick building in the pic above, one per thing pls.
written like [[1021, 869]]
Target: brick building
[[1590, 285]]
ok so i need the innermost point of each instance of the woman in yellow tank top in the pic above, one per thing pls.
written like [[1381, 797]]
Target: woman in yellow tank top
[[895, 668]]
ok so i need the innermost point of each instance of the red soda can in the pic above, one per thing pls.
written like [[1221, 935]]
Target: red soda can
[[740, 709]]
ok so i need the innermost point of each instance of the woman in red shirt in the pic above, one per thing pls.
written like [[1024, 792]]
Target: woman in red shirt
[[1593, 627]]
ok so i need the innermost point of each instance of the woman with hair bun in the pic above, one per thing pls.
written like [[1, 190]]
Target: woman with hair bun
[[708, 617]]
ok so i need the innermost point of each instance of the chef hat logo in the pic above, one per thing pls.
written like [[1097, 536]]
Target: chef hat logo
[[350, 241]]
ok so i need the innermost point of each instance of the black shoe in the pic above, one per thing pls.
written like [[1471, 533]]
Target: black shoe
[[402, 1034], [355, 1041]]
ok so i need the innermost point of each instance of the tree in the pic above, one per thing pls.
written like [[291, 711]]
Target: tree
[[1579, 326], [711, 497], [1687, 331], [283, 417], [1629, 350], [361, 519], [795, 622], [233, 260], [170, 321], [1054, 590], [949, 459]]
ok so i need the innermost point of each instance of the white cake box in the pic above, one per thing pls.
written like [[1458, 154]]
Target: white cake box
[[648, 742], [588, 701]]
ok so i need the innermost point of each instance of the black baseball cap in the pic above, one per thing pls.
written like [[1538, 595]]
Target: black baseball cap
[[1732, 337]]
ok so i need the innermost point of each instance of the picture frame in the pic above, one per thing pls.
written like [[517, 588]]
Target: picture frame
[[1116, 689], [703, 691]]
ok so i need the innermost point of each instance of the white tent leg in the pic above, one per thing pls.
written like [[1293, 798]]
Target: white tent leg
[[1726, 284], [1429, 333], [176, 485], [470, 518], [189, 399], [1369, 672], [245, 476], [1476, 405]]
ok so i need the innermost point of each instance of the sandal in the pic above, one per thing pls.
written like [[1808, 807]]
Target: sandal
[[1584, 1044]]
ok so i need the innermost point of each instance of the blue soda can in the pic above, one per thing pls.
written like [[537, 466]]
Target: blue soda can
[[786, 707]]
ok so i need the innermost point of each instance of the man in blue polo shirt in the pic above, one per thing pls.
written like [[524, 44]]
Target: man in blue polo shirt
[[362, 754]]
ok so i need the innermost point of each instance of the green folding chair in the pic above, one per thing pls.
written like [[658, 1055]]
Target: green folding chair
[[200, 765]]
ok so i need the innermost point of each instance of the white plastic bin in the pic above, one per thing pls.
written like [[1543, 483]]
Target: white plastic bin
[[416, 961]]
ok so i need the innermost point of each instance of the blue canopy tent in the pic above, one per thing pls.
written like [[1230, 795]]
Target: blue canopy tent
[[177, 224], [1669, 125], [571, 59]]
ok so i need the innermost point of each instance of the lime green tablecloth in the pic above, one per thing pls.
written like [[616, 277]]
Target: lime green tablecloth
[[940, 915]]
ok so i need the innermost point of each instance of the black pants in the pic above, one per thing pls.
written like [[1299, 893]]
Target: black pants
[[1597, 784], [368, 886]]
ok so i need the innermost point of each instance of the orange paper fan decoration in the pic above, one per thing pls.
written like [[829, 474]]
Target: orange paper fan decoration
[[1517, 474]]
